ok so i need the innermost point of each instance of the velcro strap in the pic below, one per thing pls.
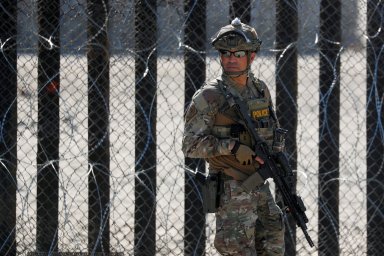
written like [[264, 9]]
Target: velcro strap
[[226, 131], [221, 131]]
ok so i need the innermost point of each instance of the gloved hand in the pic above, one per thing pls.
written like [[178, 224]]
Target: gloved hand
[[264, 172], [243, 153]]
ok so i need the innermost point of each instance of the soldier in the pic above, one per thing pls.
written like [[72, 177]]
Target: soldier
[[248, 221]]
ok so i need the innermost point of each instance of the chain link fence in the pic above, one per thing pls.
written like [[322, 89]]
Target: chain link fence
[[92, 101]]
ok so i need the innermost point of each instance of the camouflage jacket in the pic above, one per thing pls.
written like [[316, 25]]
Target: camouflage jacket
[[211, 124]]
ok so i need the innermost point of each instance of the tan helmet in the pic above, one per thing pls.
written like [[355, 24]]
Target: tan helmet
[[236, 36]]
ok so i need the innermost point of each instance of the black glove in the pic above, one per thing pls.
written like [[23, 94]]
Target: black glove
[[264, 172], [243, 153]]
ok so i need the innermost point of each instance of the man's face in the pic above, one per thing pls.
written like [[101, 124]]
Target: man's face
[[234, 61]]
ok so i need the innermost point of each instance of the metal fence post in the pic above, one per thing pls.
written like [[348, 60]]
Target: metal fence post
[[240, 9], [145, 126], [286, 91], [374, 126], [329, 126], [98, 128], [8, 127], [48, 126], [194, 60]]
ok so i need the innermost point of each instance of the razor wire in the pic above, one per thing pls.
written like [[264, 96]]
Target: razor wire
[[134, 139]]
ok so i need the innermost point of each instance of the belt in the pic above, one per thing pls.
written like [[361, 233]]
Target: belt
[[225, 174], [225, 177]]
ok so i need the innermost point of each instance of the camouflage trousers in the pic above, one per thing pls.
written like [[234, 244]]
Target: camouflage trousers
[[248, 224]]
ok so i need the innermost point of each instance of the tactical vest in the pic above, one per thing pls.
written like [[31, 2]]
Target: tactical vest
[[228, 123]]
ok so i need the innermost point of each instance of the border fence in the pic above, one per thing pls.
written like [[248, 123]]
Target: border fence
[[92, 97]]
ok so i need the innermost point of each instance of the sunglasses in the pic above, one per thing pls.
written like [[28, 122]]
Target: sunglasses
[[237, 54]]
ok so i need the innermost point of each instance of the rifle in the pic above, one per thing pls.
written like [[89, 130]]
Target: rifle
[[277, 165]]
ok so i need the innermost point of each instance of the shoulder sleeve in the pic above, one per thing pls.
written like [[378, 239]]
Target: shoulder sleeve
[[198, 141]]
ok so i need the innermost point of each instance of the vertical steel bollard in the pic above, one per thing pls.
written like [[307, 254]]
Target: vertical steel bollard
[[145, 126], [374, 126], [98, 128], [8, 127], [240, 9], [48, 126], [286, 92], [195, 75], [329, 126]]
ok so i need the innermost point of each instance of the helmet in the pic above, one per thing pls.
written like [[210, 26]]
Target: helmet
[[236, 37]]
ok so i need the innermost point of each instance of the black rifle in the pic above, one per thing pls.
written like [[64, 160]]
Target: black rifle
[[277, 165]]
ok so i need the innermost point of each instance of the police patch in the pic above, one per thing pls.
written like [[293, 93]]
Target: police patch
[[260, 113], [259, 108]]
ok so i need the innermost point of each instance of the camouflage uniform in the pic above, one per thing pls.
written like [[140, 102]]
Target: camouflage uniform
[[247, 222]]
